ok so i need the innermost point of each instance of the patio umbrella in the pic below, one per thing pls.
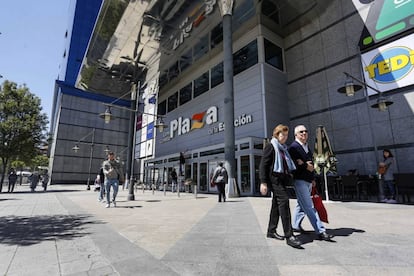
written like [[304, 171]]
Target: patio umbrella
[[323, 156]]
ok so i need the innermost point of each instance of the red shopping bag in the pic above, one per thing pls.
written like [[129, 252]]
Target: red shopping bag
[[318, 205]]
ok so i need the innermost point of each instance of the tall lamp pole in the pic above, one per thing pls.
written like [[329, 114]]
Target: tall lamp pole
[[226, 7], [131, 140], [91, 144]]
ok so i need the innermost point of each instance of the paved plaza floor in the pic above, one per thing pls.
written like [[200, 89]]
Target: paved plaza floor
[[66, 231]]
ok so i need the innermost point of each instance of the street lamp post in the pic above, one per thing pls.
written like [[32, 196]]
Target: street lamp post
[[226, 7], [382, 104], [91, 144]]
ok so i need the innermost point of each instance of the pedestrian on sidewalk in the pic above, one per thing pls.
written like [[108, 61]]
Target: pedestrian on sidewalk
[[45, 180], [386, 173], [275, 174], [113, 175], [304, 180], [174, 180], [34, 180], [12, 180], [220, 179]]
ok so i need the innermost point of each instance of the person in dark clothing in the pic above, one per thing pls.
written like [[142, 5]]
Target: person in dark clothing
[[12, 180], [220, 179], [173, 180], [275, 173]]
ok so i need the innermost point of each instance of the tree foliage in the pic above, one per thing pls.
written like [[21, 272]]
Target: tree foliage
[[22, 124]]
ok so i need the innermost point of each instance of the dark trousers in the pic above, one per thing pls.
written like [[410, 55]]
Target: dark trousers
[[280, 206], [221, 191], [11, 186]]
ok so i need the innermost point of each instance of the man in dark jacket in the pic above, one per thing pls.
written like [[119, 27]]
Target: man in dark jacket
[[220, 179], [304, 179]]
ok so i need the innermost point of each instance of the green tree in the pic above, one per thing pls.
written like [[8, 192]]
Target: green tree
[[22, 125]]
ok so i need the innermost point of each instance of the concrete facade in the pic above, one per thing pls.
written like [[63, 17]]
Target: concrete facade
[[319, 44]]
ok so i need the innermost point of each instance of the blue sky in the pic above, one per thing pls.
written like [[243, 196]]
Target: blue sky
[[32, 43]]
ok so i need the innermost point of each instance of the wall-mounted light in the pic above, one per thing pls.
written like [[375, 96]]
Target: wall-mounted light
[[350, 88]]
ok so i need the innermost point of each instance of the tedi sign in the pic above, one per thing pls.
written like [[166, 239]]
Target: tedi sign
[[209, 117], [390, 66]]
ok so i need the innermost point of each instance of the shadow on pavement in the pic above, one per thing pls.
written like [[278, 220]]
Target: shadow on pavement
[[310, 236], [41, 191], [24, 231]]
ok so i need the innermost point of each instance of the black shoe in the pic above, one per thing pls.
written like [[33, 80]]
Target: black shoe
[[325, 236], [275, 235], [299, 230], [294, 242]]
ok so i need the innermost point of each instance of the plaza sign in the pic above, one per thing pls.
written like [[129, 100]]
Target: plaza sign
[[181, 126]]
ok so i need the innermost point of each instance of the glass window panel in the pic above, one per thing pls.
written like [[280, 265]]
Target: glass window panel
[[242, 13], [162, 108], [201, 84], [244, 146], [203, 177], [185, 93], [173, 71], [216, 35], [217, 75], [172, 101], [273, 54], [257, 181], [245, 174], [270, 10], [186, 60], [163, 80], [201, 48], [245, 57]]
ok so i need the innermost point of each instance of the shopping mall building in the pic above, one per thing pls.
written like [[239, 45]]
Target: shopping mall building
[[289, 59]]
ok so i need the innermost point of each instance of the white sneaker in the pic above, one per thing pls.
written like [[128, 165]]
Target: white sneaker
[[385, 200], [392, 201], [114, 203], [107, 206]]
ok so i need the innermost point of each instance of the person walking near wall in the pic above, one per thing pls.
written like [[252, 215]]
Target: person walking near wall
[[220, 179], [113, 174], [304, 179], [275, 174]]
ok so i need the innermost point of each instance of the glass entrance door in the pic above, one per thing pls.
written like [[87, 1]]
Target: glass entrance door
[[203, 177], [212, 165], [246, 185]]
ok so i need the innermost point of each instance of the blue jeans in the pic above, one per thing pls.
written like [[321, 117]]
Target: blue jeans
[[108, 183], [389, 189], [305, 207]]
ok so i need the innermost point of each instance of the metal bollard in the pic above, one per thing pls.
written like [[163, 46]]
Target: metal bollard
[[178, 189], [195, 191], [165, 189]]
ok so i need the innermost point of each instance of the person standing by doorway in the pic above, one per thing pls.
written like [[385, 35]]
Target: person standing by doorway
[[220, 179], [113, 174], [174, 181], [304, 177], [275, 174]]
